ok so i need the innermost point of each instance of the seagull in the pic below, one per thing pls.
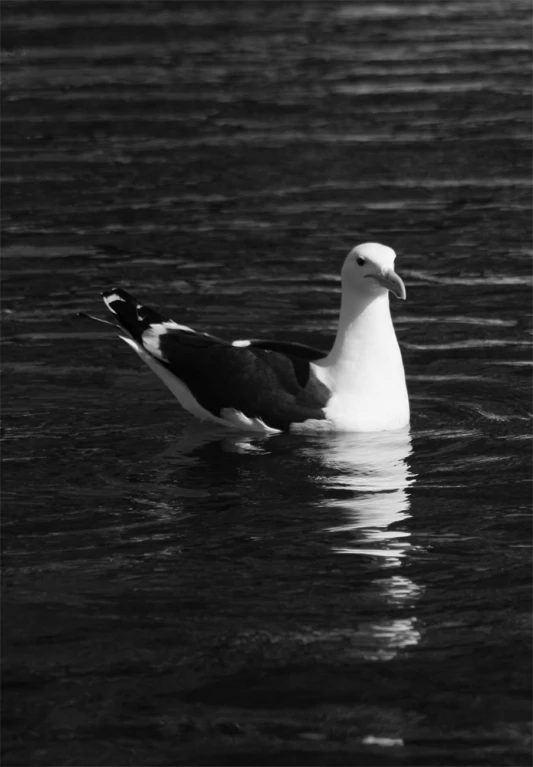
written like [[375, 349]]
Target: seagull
[[271, 386]]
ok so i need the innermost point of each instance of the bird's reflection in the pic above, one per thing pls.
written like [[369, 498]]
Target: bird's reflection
[[361, 482], [362, 478], [372, 472]]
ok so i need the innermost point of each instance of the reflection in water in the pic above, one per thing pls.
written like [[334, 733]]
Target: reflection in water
[[200, 434], [362, 482], [373, 469]]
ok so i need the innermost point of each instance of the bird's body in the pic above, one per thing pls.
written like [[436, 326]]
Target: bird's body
[[270, 386]]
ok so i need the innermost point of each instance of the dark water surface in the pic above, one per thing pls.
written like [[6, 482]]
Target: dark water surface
[[174, 596]]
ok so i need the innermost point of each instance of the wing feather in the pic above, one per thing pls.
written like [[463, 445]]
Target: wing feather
[[268, 380], [260, 383]]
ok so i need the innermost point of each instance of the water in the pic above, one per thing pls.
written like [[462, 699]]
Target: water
[[179, 596]]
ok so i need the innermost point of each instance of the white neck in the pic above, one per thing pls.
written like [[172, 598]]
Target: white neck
[[364, 369], [365, 330]]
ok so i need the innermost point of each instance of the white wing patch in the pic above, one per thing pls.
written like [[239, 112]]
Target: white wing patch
[[171, 325], [242, 343], [151, 338], [161, 327], [110, 299]]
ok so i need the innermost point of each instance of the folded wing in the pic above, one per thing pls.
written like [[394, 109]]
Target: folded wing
[[260, 382]]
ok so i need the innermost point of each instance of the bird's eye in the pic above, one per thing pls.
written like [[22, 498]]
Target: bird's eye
[[360, 260]]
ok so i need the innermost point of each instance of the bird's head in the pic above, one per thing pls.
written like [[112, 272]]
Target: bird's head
[[369, 269]]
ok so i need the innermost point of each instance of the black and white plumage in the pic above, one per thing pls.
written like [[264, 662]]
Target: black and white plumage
[[270, 386]]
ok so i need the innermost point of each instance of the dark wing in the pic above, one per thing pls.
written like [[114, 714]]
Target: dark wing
[[261, 383], [256, 382], [293, 349]]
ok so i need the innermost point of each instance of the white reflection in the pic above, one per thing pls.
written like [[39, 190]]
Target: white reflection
[[372, 473], [376, 740], [363, 480], [372, 468], [382, 640]]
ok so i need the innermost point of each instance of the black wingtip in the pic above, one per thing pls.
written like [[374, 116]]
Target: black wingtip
[[115, 298], [132, 315]]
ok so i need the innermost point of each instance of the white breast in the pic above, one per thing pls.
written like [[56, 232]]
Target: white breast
[[366, 397]]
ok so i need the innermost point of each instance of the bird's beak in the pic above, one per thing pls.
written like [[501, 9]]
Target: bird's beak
[[392, 281]]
